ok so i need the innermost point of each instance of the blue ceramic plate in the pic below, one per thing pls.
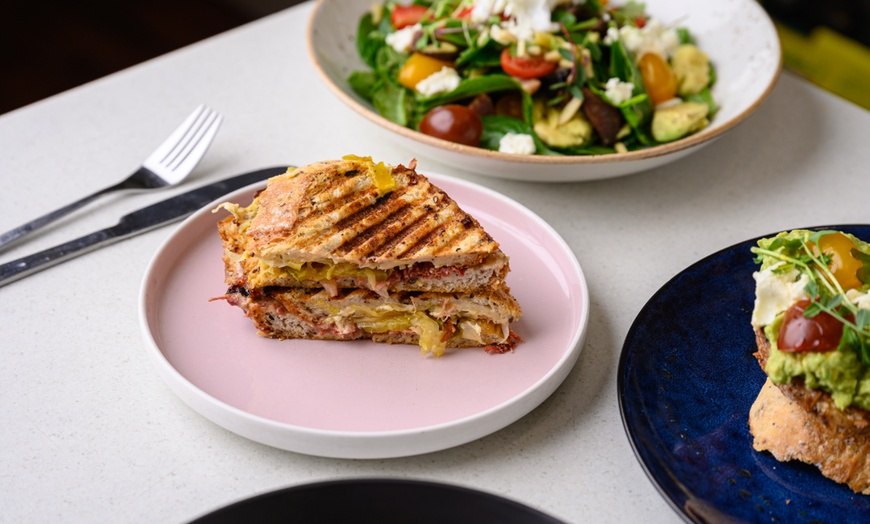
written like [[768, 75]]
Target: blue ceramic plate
[[687, 379]]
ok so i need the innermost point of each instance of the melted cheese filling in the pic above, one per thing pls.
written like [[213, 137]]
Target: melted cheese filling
[[431, 332], [267, 274]]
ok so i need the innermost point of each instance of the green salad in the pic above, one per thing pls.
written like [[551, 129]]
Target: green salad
[[544, 77]]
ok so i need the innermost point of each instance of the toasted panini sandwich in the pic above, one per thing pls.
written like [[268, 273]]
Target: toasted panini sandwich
[[812, 325], [351, 249], [356, 224]]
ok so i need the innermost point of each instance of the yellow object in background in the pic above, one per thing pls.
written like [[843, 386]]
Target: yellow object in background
[[830, 60]]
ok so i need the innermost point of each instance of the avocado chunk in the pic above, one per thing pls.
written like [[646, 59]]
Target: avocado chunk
[[574, 132], [692, 69], [673, 122]]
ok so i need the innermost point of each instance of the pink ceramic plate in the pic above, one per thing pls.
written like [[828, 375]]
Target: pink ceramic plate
[[362, 399]]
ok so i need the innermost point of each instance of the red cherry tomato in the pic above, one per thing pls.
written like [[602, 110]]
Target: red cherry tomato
[[405, 15], [526, 67], [799, 334], [453, 122]]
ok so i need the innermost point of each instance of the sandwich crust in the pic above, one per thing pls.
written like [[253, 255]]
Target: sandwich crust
[[334, 211]]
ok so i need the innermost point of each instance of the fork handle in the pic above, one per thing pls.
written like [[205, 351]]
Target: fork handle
[[37, 223]]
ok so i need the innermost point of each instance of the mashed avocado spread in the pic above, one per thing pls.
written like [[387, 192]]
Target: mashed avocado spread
[[837, 285]]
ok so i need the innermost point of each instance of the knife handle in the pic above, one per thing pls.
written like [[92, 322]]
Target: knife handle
[[12, 271], [37, 223]]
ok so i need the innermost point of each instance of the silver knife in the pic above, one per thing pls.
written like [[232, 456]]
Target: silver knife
[[145, 219]]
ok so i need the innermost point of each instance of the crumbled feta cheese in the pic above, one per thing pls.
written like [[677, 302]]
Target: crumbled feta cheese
[[443, 81], [775, 293], [483, 9], [403, 39], [525, 17], [862, 300], [618, 91], [517, 144], [654, 37]]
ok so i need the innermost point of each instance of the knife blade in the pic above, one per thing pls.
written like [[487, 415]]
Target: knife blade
[[148, 218]]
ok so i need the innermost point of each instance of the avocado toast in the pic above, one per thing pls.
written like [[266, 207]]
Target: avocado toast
[[812, 323]]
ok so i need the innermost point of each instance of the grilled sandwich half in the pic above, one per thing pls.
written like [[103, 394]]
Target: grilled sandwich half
[[353, 249], [356, 224]]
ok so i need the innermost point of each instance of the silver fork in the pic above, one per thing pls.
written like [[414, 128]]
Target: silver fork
[[168, 165]]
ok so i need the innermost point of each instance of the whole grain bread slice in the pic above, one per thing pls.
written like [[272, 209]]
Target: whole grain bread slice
[[814, 400]]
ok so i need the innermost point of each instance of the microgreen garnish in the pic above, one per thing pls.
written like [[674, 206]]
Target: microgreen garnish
[[825, 292]]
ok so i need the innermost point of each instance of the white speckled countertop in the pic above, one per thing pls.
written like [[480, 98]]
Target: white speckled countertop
[[90, 433]]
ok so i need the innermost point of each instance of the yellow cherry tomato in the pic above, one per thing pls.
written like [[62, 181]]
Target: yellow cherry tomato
[[843, 265], [418, 67], [658, 78]]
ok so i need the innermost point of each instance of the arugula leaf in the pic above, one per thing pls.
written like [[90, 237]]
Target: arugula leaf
[[363, 83], [594, 5], [488, 55], [628, 14], [388, 62], [468, 88], [585, 25], [594, 50], [565, 18], [369, 39], [639, 112], [684, 36], [391, 100], [440, 8], [495, 127]]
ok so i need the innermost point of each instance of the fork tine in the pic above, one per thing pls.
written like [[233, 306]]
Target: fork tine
[[169, 144], [180, 153], [190, 125], [203, 128]]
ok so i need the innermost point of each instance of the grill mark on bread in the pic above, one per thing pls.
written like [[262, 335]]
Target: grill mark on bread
[[343, 199], [338, 215], [439, 216], [375, 225], [428, 240], [411, 235], [393, 227]]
